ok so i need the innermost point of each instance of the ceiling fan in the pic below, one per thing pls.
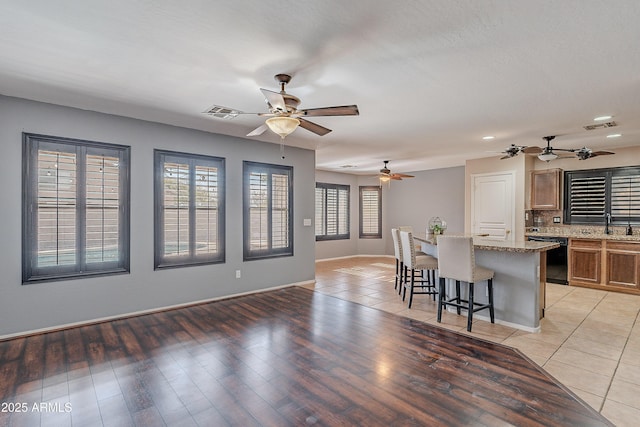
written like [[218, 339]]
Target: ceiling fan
[[284, 116], [548, 153], [512, 151], [385, 174]]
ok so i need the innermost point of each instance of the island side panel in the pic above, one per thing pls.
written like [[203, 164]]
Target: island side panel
[[516, 286]]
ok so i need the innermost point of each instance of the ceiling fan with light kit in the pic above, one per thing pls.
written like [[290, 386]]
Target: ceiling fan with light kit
[[548, 153], [283, 115], [385, 174]]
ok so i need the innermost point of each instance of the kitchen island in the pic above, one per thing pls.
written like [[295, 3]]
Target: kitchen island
[[518, 291]]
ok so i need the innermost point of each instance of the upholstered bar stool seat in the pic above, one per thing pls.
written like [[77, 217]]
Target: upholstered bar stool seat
[[456, 260], [414, 264]]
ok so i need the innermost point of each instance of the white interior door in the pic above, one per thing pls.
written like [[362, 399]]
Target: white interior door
[[493, 205]]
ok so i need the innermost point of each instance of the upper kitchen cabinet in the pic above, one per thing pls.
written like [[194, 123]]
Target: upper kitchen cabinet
[[545, 189]]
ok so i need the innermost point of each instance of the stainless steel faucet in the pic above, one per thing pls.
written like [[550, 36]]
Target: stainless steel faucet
[[607, 222]]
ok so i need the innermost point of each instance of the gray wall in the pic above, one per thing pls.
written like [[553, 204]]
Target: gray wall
[[43, 305], [412, 202]]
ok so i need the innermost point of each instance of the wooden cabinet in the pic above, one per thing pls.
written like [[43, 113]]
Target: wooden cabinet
[[585, 261], [545, 189], [623, 265], [605, 264]]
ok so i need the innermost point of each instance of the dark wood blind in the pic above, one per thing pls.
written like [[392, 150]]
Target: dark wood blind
[[370, 212], [625, 197], [75, 208], [332, 211], [591, 194], [189, 199], [587, 198], [268, 210]]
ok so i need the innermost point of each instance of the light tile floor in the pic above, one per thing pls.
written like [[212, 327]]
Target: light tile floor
[[589, 339]]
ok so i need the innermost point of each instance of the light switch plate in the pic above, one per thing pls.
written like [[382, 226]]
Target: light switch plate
[[307, 222]]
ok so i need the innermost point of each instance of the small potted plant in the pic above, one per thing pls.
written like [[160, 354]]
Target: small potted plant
[[436, 226]]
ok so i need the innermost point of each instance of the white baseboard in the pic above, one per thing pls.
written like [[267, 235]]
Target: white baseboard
[[148, 311]]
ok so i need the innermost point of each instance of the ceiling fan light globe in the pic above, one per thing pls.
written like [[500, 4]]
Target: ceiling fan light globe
[[547, 157], [385, 178], [282, 126]]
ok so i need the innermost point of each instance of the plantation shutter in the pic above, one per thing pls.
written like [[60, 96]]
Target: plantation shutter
[[625, 198], [370, 212], [332, 211], [587, 197], [268, 210]]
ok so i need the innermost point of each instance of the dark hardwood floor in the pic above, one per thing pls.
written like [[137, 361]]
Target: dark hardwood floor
[[285, 357]]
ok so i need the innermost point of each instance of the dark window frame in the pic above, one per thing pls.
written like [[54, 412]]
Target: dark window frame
[[249, 167], [608, 175], [338, 188], [80, 149], [362, 190], [162, 261]]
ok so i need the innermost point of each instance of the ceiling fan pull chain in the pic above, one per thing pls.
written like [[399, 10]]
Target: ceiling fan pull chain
[[282, 151]]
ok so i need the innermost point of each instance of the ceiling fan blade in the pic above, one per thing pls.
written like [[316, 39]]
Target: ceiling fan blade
[[258, 131], [395, 177], [505, 157], [402, 175], [275, 99], [601, 153], [313, 127], [344, 110], [532, 150]]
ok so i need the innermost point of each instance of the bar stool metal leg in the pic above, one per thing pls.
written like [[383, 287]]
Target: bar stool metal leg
[[470, 316]]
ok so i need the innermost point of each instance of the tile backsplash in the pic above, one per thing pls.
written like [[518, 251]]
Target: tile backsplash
[[543, 221], [545, 218]]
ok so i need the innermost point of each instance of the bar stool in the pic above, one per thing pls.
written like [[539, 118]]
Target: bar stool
[[456, 261], [398, 254], [414, 264], [401, 270]]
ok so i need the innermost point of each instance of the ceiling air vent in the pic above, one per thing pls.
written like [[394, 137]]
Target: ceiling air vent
[[222, 112], [601, 125]]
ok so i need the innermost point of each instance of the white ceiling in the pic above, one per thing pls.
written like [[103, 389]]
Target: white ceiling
[[430, 77]]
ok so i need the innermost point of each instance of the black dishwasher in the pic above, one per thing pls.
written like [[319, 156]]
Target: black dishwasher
[[556, 259]]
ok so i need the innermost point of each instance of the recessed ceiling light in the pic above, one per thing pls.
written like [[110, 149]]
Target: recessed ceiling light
[[488, 137], [614, 135], [597, 119], [348, 166]]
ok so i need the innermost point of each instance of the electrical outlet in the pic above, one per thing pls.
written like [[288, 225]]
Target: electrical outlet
[[238, 274], [556, 220]]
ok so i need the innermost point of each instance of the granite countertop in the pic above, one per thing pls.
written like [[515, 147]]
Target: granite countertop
[[483, 243], [579, 233]]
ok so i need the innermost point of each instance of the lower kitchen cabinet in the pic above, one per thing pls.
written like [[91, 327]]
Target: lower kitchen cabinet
[[605, 264], [585, 261], [623, 265]]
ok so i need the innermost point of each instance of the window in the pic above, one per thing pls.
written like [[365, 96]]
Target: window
[[268, 210], [370, 212], [332, 211], [189, 209], [75, 208], [591, 194]]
